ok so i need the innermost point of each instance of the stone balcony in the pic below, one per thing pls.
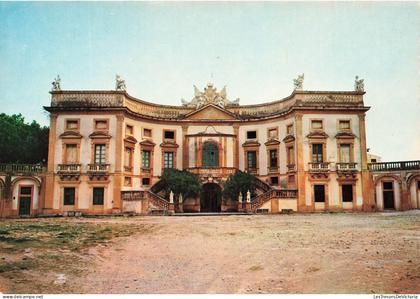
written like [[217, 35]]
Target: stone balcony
[[22, 169], [98, 171], [319, 167], [395, 166], [291, 167], [344, 167], [216, 172], [69, 171]]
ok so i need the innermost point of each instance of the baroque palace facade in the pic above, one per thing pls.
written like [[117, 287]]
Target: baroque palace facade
[[107, 151]]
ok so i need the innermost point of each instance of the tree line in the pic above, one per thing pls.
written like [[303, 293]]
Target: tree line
[[22, 142]]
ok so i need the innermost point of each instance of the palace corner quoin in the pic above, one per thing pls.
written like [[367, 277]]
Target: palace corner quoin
[[108, 149]]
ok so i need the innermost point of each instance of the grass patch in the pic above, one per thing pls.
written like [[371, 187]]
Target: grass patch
[[34, 248]]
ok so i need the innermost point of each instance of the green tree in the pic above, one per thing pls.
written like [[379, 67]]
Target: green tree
[[239, 182], [22, 142], [180, 182]]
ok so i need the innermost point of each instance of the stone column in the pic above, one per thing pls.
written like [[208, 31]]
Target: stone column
[[185, 148], [236, 146]]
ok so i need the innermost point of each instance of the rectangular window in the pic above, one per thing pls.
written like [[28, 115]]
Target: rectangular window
[[344, 125], [168, 160], [272, 133], [145, 160], [127, 181], [101, 124], [388, 186], [71, 154], [317, 153], [251, 135], [69, 195], [274, 180], [252, 159], [98, 195], [345, 153], [290, 156], [347, 193], [291, 179], [99, 153], [169, 135], [273, 158], [316, 125], [72, 124], [289, 129], [373, 161], [147, 133], [319, 193], [25, 190], [129, 130], [128, 158], [145, 181]]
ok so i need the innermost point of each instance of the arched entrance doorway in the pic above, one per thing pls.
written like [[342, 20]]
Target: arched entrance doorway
[[211, 198], [210, 155]]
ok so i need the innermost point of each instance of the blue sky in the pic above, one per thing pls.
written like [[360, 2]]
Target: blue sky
[[161, 49]]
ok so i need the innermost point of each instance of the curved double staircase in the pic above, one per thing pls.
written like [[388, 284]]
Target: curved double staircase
[[156, 204]]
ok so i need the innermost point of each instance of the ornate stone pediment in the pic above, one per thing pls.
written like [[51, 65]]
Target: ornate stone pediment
[[70, 135], [251, 143], [147, 142], [210, 95], [317, 134], [211, 112], [210, 131], [169, 144], [289, 138], [130, 139], [99, 135], [345, 135], [272, 142]]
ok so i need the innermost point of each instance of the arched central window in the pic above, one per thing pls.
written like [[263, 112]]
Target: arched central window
[[210, 155]]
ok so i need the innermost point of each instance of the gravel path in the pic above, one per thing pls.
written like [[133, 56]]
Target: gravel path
[[316, 253]]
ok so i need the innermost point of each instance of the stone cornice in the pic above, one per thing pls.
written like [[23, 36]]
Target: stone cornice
[[299, 100]]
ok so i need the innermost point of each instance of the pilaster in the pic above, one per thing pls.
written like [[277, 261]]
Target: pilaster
[[48, 203]]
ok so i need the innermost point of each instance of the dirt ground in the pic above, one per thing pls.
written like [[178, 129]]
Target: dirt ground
[[311, 253]]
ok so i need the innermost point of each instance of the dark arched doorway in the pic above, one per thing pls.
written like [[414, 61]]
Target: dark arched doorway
[[210, 155], [211, 198]]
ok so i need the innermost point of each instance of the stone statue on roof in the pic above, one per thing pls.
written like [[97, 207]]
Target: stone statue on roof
[[120, 83], [298, 83], [56, 84], [359, 84], [210, 95]]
